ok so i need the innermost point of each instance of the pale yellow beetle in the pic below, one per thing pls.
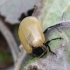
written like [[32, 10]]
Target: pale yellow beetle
[[32, 37]]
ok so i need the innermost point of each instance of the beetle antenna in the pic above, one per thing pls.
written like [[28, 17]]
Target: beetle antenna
[[51, 50], [47, 44]]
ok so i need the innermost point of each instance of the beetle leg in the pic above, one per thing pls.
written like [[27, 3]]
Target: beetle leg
[[45, 51], [47, 44]]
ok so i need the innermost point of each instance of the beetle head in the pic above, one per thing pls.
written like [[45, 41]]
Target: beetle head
[[39, 51]]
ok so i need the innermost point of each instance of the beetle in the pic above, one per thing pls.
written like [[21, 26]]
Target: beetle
[[32, 37]]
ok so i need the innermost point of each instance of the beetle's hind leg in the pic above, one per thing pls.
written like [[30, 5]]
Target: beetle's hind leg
[[47, 44]]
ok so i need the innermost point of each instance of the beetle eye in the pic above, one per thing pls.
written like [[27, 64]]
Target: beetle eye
[[38, 51]]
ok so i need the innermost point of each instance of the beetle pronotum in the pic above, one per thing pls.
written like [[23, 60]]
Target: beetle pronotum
[[32, 37]]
